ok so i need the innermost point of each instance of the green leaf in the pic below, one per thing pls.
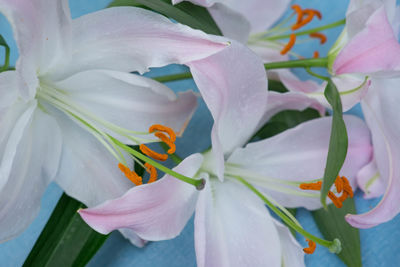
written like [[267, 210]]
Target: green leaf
[[66, 240], [186, 13], [332, 225], [338, 141], [7, 55]]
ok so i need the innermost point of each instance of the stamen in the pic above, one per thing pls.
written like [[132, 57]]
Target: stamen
[[166, 140], [335, 200], [131, 175], [152, 171], [311, 186], [299, 13], [311, 247], [289, 45], [148, 152], [316, 54], [310, 15], [339, 184], [347, 187], [322, 38], [165, 129]]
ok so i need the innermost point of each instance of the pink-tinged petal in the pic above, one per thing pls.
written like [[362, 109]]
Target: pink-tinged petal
[[132, 39], [128, 100], [292, 252], [368, 179], [231, 23], [381, 109], [299, 155], [278, 102], [233, 228], [23, 185], [373, 50], [41, 30], [352, 88], [236, 94], [205, 3], [268, 54], [155, 211]]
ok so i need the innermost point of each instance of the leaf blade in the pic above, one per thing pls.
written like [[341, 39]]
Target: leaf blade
[[338, 142], [332, 225]]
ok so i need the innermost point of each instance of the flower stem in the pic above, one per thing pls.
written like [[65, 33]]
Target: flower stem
[[333, 246], [317, 29], [300, 63], [199, 184], [173, 77]]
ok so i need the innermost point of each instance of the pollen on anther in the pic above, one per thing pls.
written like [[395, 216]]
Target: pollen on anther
[[165, 129], [322, 38], [147, 151], [299, 13], [131, 175], [311, 186], [166, 140], [152, 171], [289, 45], [335, 200], [316, 54], [311, 247], [310, 13]]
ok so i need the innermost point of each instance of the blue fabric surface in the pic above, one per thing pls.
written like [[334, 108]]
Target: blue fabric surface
[[379, 245]]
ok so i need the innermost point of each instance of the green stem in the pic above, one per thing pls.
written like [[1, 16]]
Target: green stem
[[309, 71], [332, 245], [175, 158], [317, 29], [301, 63], [173, 77], [199, 184]]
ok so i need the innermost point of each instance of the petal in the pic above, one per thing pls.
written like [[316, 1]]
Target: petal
[[299, 154], [129, 101], [155, 211], [8, 88], [231, 23], [133, 39], [278, 102], [233, 228], [30, 174], [41, 30], [380, 109], [373, 50], [88, 172], [352, 88], [236, 95], [292, 252], [368, 179]]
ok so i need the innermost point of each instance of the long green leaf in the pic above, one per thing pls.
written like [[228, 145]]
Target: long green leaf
[[332, 225], [338, 141], [7, 54], [66, 240], [186, 13]]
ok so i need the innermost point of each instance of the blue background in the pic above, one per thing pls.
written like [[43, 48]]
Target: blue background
[[379, 245]]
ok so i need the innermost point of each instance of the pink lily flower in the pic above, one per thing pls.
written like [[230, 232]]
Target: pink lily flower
[[232, 225], [72, 87]]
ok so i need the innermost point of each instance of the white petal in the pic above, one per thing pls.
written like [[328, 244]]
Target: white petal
[[299, 154], [292, 252], [233, 228], [369, 180], [129, 101], [132, 39], [33, 166], [8, 88], [41, 29]]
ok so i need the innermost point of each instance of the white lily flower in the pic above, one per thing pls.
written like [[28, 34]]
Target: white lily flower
[[72, 88]]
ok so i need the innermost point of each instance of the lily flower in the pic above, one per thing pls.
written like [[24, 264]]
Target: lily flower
[[232, 225], [72, 89]]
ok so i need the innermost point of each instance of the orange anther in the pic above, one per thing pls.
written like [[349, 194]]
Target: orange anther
[[131, 175], [165, 139], [310, 13], [147, 151], [322, 38], [316, 12], [335, 200], [347, 187], [152, 171], [311, 186], [289, 45], [339, 184], [316, 54], [343, 197], [165, 129], [299, 13], [311, 247]]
